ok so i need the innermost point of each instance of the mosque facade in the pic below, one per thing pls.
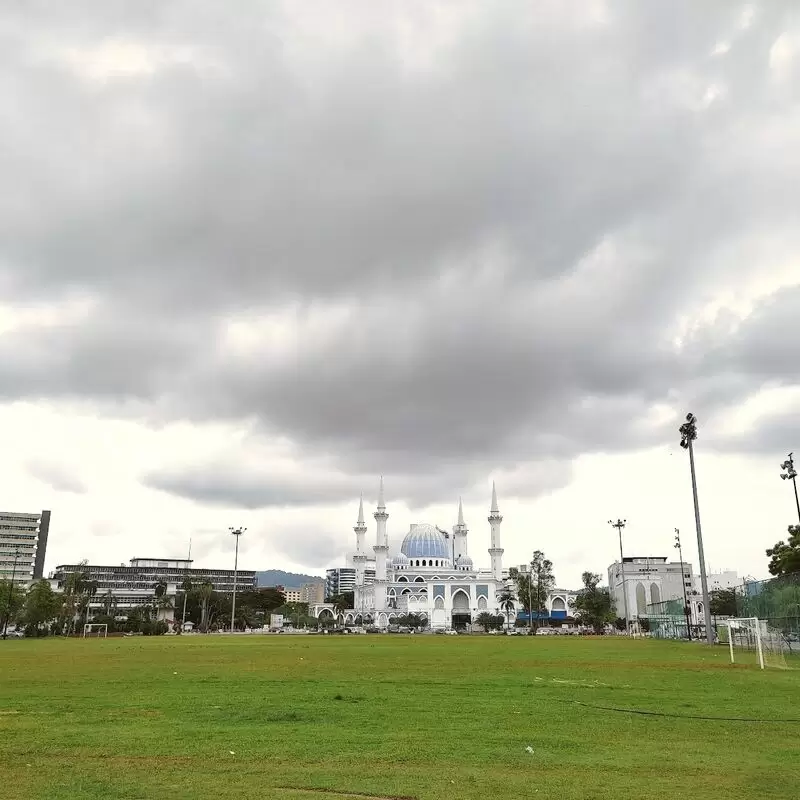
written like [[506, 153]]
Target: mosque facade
[[432, 575]]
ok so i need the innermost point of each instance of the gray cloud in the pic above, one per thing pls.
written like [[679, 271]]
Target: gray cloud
[[58, 476], [479, 263]]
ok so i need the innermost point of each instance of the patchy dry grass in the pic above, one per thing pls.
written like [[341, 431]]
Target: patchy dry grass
[[386, 717]]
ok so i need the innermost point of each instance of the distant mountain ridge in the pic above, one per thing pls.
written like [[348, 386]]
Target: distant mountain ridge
[[277, 577]]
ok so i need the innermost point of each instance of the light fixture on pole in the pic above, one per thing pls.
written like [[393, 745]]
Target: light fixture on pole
[[237, 532], [683, 584], [688, 433], [619, 525], [791, 474], [186, 584], [10, 594]]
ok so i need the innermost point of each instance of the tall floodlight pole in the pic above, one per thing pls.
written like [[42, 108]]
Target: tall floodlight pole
[[791, 474], [688, 433], [619, 525], [237, 532], [10, 594], [683, 584]]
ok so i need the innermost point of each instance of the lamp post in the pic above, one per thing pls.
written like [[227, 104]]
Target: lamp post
[[791, 474], [683, 584], [185, 588], [10, 594], [237, 532], [688, 433], [619, 525]]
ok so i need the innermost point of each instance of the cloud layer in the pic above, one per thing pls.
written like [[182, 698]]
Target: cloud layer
[[436, 242]]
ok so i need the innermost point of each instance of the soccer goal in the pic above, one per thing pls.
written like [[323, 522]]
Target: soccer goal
[[95, 629], [749, 634]]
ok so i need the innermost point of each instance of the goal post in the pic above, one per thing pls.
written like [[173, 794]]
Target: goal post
[[750, 634], [95, 629]]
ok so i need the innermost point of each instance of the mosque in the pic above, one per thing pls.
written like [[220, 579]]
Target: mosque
[[432, 575]]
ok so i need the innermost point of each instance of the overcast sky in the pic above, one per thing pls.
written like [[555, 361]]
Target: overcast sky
[[252, 259]]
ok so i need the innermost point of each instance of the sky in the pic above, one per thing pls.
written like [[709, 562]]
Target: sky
[[251, 261]]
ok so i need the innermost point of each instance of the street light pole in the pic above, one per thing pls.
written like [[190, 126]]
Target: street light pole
[[237, 532], [10, 594], [185, 590], [683, 584], [688, 433], [619, 525], [791, 474]]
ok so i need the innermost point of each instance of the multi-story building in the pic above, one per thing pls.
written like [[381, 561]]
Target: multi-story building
[[727, 579], [23, 545], [293, 595], [313, 593], [343, 579], [126, 587], [648, 580]]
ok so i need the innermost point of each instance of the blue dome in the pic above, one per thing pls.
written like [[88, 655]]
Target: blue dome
[[425, 541]]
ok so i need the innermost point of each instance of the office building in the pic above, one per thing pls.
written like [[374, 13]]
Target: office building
[[23, 545], [124, 587], [343, 579], [648, 580], [312, 593]]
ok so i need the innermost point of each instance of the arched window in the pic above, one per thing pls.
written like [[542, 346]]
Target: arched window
[[437, 562], [402, 579], [419, 579], [417, 562], [655, 593], [423, 563], [641, 600]]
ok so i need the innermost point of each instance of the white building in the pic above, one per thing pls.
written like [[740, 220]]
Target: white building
[[23, 544], [432, 575], [648, 580], [727, 579]]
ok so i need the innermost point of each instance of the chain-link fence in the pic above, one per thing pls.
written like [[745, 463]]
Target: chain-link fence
[[777, 601]]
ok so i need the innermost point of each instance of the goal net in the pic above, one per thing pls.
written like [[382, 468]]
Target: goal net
[[95, 629], [750, 638]]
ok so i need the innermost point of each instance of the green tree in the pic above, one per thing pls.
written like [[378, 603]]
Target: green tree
[[41, 607], [341, 602], [785, 556], [533, 586], [593, 604], [723, 602], [485, 620], [12, 598], [507, 604]]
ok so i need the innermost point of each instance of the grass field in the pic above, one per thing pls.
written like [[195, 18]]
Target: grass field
[[411, 716]]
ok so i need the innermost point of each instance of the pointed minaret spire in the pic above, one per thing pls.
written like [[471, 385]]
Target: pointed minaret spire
[[460, 514], [360, 520], [494, 509], [381, 503]]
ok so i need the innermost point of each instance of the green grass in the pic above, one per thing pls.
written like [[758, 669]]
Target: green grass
[[416, 716]]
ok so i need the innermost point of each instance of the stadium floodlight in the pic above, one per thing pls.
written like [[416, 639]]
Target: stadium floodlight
[[790, 474], [688, 432], [237, 532], [619, 525]]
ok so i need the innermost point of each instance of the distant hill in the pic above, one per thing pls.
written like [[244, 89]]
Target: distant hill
[[277, 577]]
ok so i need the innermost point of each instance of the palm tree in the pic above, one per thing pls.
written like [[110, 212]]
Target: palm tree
[[339, 604], [507, 604]]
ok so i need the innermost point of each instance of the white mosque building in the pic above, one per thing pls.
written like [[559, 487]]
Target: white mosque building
[[432, 575]]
